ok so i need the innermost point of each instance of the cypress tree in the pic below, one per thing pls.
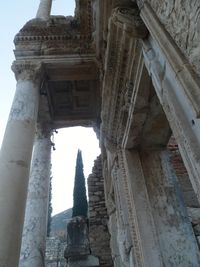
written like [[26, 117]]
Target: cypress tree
[[80, 205]]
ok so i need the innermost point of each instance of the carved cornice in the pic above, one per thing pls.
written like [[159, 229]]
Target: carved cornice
[[57, 28], [57, 35], [27, 70], [122, 57]]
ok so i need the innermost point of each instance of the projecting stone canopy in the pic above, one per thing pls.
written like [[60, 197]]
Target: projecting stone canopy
[[73, 99], [71, 89], [58, 35]]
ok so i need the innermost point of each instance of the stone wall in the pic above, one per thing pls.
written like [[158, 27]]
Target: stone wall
[[54, 255], [189, 196], [182, 175], [98, 232], [181, 19]]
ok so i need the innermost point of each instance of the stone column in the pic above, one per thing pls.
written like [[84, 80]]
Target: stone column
[[35, 224], [44, 9], [15, 157]]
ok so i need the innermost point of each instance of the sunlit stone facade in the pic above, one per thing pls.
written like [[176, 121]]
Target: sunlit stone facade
[[130, 69]]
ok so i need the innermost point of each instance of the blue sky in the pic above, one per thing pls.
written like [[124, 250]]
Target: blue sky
[[14, 14]]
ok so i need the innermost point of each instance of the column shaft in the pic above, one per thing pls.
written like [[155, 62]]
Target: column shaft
[[44, 9], [35, 224], [15, 157]]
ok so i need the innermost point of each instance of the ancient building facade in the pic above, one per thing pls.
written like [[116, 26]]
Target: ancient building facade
[[130, 69]]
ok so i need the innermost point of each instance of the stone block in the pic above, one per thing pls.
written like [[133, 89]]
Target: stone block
[[77, 239]]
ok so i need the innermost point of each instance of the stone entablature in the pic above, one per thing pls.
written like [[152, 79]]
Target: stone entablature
[[69, 76], [57, 35], [125, 31]]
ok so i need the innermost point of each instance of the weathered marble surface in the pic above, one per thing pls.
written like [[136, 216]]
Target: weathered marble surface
[[181, 18], [55, 252], [14, 166], [35, 224], [175, 237]]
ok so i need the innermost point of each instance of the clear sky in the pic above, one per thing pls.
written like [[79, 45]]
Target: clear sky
[[14, 14]]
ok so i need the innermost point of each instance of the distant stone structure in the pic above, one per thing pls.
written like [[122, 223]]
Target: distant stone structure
[[56, 243], [129, 69], [59, 224]]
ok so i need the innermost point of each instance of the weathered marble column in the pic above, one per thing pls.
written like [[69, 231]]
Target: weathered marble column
[[44, 9], [35, 224], [15, 158]]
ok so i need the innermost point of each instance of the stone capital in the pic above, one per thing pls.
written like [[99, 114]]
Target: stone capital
[[27, 70], [129, 19], [44, 130]]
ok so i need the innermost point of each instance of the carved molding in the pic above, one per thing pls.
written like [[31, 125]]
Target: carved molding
[[58, 34], [118, 83], [134, 229]]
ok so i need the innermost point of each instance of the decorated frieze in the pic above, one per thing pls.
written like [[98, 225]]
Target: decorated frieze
[[126, 30], [58, 34]]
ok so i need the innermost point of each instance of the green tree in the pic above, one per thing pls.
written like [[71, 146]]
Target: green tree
[[80, 205]]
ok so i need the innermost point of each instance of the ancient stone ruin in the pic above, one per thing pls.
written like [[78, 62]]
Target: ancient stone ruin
[[129, 69]]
